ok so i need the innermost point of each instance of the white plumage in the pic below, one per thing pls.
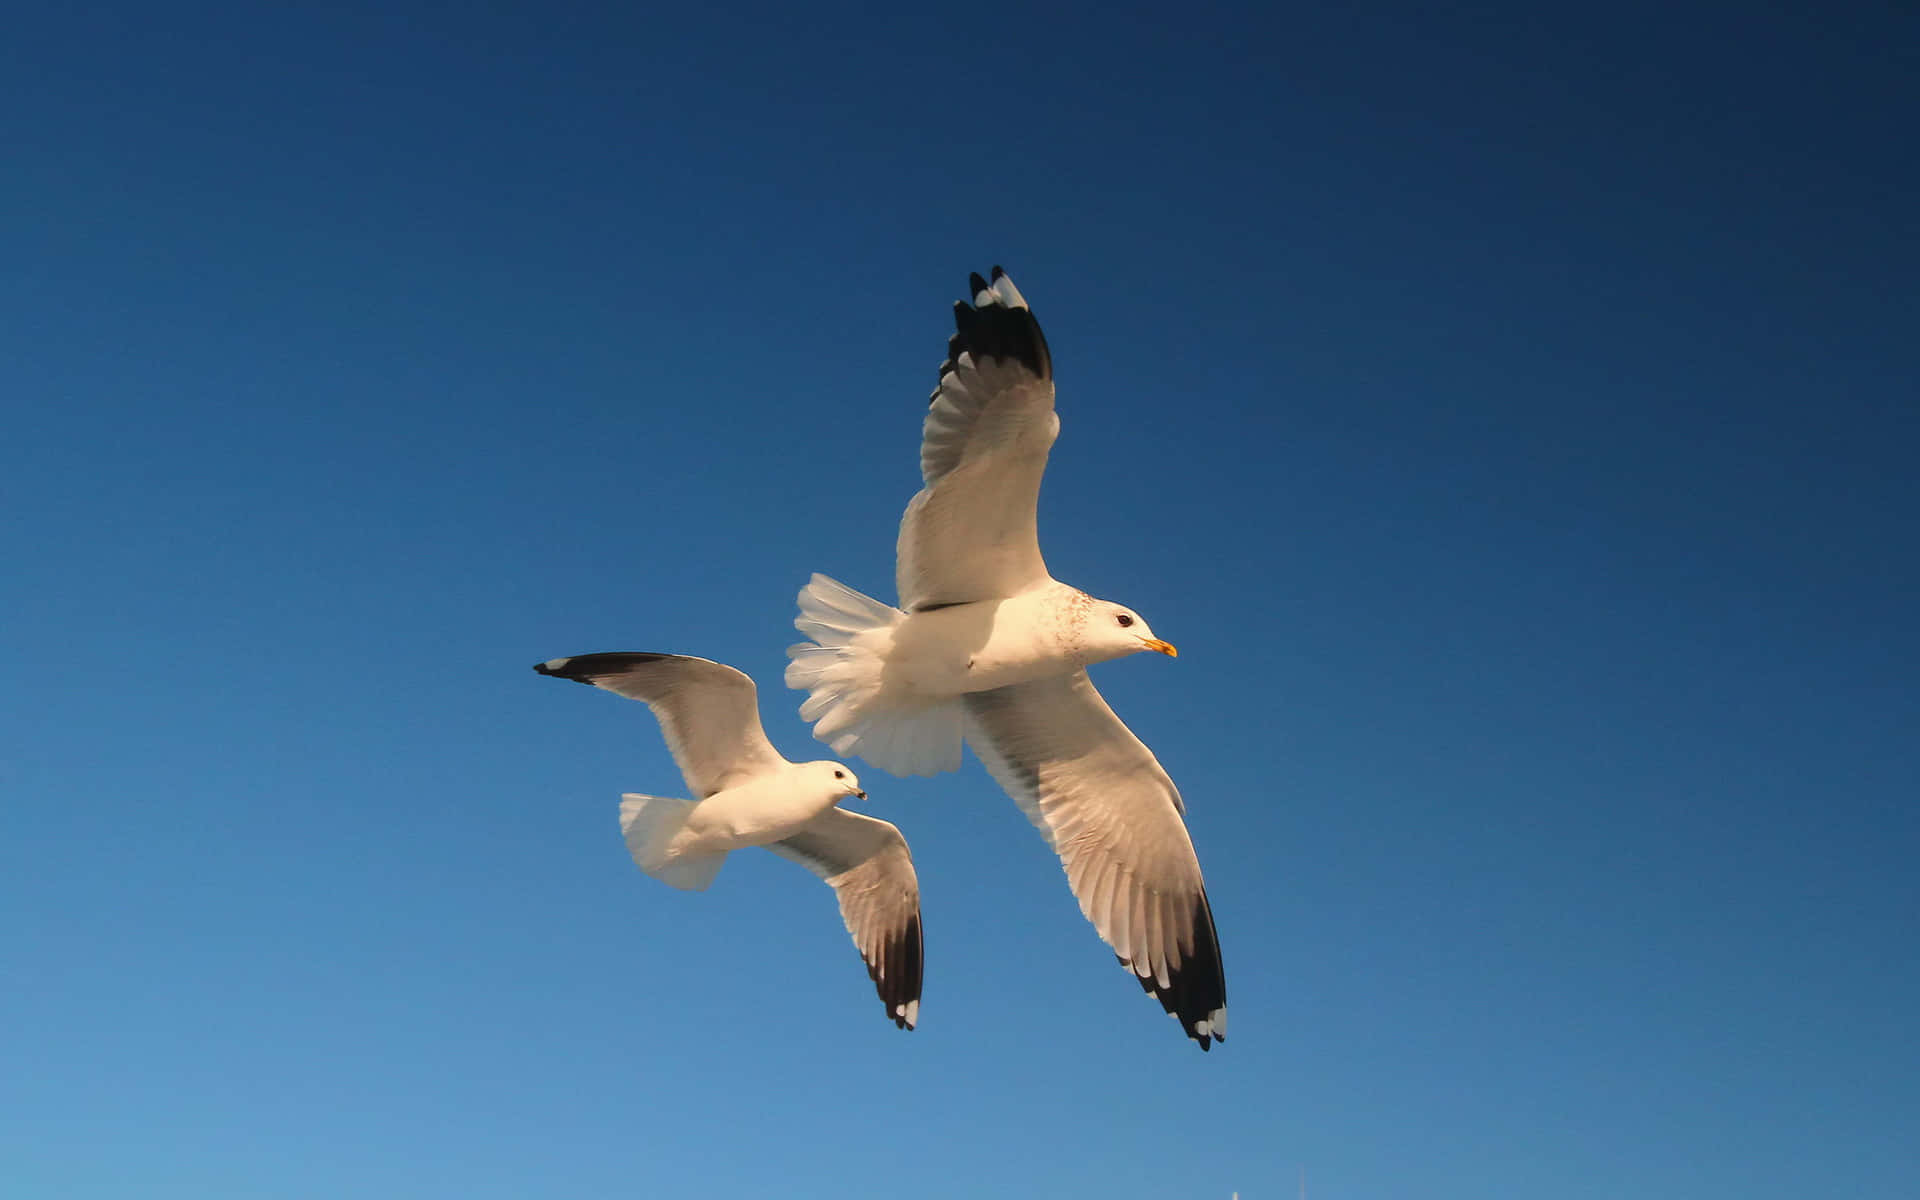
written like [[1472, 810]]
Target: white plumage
[[987, 646], [747, 794]]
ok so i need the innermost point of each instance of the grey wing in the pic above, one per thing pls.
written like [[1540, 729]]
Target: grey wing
[[969, 534], [867, 864], [1110, 812], [708, 712]]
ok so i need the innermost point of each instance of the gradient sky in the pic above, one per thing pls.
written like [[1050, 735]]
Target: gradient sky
[[1512, 418]]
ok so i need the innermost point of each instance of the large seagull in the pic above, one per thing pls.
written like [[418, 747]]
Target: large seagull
[[987, 646], [748, 795]]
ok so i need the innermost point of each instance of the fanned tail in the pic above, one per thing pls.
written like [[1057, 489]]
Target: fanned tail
[[843, 672], [650, 823]]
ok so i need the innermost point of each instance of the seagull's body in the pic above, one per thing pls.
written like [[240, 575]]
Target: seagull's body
[[749, 795], [767, 809], [988, 647], [940, 654]]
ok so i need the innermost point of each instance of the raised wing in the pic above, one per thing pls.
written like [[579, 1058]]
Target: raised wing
[[866, 862], [969, 534], [707, 711], [1109, 811]]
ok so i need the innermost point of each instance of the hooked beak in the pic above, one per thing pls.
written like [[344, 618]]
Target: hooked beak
[[1165, 648], [860, 794]]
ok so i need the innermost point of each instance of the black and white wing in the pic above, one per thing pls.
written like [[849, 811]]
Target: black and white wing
[[969, 534], [709, 712], [1110, 812], [867, 864]]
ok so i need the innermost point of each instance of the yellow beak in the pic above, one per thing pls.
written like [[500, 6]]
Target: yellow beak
[[857, 792], [1165, 648]]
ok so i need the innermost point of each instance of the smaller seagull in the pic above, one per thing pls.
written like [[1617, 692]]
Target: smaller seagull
[[749, 795]]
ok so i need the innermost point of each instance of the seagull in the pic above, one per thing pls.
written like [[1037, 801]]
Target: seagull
[[751, 796], [988, 648]]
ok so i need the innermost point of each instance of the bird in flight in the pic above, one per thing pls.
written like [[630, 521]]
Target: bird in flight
[[989, 648], [747, 794]]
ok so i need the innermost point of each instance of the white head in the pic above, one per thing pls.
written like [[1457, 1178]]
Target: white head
[[834, 779], [1111, 630]]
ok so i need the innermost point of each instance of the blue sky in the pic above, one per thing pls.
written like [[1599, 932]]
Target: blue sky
[[1510, 415]]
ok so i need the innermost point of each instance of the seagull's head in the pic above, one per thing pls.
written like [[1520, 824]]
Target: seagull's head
[[836, 779], [1114, 630]]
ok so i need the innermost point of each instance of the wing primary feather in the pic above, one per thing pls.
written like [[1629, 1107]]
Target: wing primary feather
[[1155, 960], [585, 668]]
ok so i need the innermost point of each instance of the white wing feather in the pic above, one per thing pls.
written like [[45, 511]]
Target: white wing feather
[[867, 864], [1110, 812], [970, 534], [708, 712]]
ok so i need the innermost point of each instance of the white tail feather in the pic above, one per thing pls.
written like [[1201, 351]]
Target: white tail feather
[[650, 823], [844, 674]]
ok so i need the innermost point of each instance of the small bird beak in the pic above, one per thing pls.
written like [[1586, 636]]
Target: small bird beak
[[857, 792], [1165, 648]]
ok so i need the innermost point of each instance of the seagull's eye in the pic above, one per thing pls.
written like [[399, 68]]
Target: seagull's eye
[[839, 774], [1125, 620]]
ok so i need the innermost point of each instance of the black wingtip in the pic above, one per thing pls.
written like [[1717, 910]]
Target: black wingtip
[[996, 331], [905, 957], [585, 668], [998, 274], [1197, 988], [565, 668]]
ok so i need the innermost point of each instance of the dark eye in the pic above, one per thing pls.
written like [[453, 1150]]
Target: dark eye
[[839, 774], [1125, 620]]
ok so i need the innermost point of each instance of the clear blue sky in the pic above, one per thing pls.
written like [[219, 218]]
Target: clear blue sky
[[1511, 416]]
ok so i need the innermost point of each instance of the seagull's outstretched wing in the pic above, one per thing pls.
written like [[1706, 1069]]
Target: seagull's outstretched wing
[[1109, 811], [969, 534], [866, 862], [708, 711]]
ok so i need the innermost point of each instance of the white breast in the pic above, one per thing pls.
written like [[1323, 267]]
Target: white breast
[[977, 647]]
